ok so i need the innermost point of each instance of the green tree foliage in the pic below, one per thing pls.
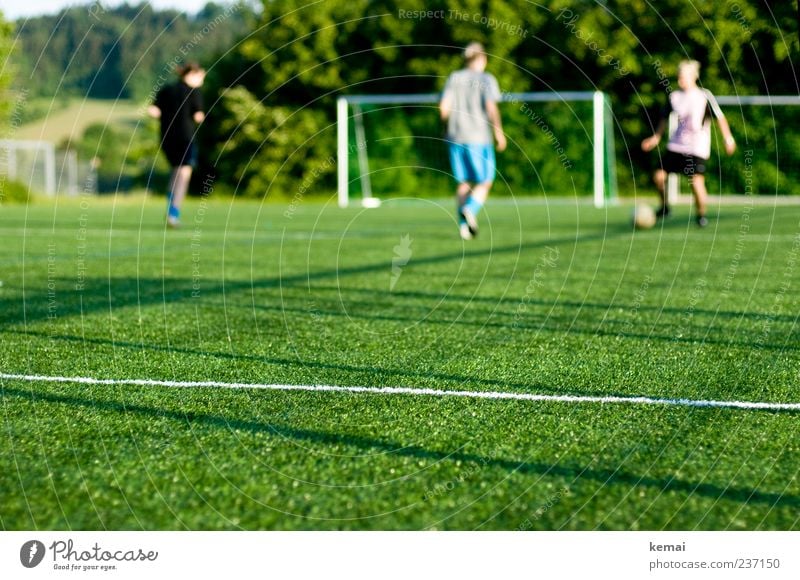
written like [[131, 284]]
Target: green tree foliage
[[277, 88], [6, 69], [120, 52], [10, 191], [125, 156]]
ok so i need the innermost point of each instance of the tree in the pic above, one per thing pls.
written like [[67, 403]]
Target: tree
[[299, 57], [123, 51], [6, 69]]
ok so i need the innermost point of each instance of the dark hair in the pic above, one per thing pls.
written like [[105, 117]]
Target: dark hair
[[188, 67]]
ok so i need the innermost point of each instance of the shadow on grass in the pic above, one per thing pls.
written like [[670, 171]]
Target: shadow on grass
[[515, 301], [100, 295], [110, 293], [572, 472], [378, 372], [569, 327]]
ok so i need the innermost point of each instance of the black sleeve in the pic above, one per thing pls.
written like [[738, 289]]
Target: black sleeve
[[159, 100], [196, 101]]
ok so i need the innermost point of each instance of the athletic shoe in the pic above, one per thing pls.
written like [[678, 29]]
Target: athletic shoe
[[472, 221], [663, 212], [464, 231], [702, 221], [173, 222]]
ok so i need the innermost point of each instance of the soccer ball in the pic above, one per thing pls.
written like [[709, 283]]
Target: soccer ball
[[370, 202], [644, 217]]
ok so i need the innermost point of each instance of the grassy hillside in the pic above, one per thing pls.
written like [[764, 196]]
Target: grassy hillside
[[67, 119]]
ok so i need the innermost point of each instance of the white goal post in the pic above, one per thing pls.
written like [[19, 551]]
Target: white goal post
[[604, 180]]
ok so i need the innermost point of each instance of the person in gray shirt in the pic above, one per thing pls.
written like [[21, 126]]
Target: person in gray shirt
[[469, 107]]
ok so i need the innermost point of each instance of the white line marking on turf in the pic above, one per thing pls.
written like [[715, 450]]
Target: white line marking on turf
[[750, 405], [717, 236]]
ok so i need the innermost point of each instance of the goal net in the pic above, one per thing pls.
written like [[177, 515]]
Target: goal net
[[559, 143]]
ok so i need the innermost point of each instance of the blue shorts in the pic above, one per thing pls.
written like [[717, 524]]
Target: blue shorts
[[472, 163]]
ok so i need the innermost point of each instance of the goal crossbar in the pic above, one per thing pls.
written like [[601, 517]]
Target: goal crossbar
[[422, 98], [758, 100]]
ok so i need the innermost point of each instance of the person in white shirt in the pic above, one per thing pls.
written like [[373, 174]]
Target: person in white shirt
[[689, 148]]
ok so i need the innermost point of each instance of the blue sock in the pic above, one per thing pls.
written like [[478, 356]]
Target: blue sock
[[473, 206], [172, 211]]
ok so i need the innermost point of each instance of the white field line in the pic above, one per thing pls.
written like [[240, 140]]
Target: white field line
[[730, 236], [749, 405]]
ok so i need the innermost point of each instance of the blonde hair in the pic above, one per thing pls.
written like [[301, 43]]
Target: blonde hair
[[690, 67], [473, 51]]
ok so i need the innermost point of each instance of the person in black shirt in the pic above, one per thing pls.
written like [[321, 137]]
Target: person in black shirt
[[179, 107]]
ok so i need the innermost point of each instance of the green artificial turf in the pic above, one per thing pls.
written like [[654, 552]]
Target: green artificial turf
[[551, 298]]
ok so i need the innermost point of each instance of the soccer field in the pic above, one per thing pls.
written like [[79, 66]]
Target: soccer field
[[643, 331]]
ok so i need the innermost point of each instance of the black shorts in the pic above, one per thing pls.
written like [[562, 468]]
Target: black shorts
[[179, 154], [687, 164]]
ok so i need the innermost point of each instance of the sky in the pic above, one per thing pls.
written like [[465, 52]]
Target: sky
[[13, 9]]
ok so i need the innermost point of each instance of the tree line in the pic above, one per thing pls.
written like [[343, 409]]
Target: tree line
[[119, 52], [275, 72], [276, 91]]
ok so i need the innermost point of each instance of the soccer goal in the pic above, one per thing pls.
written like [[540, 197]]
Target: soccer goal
[[767, 159], [32, 163], [44, 169], [560, 144]]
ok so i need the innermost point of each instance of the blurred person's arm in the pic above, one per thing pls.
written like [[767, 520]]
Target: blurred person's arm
[[652, 142], [493, 112]]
